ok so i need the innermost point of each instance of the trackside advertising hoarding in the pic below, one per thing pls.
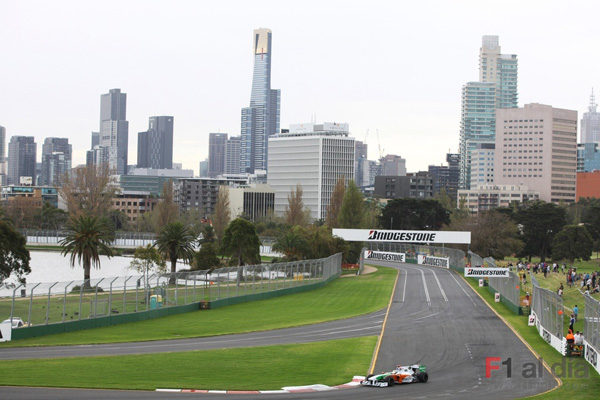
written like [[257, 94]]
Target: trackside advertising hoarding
[[385, 256], [486, 272], [379, 235], [435, 261]]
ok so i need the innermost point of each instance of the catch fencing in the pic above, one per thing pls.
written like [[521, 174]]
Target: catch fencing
[[591, 329], [60, 302], [509, 288], [548, 313], [122, 239]]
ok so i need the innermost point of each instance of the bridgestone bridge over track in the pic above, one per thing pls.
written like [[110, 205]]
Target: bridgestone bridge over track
[[435, 319]]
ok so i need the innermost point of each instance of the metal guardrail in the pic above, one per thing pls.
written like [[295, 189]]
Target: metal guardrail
[[58, 302]]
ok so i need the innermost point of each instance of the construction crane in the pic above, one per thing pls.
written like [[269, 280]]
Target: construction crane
[[379, 145]]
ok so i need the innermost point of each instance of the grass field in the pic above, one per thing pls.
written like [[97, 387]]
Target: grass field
[[272, 367], [342, 298], [572, 388]]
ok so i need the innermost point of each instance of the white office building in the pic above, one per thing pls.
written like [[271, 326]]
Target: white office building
[[314, 156]]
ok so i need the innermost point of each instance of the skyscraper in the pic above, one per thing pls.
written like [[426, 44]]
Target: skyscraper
[[217, 142], [2, 156], [21, 159], [56, 161], [590, 123], [261, 119], [155, 146], [477, 124], [501, 69], [114, 129], [496, 88], [393, 165], [232, 155]]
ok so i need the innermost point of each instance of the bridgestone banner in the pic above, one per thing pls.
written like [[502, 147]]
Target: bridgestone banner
[[487, 272], [385, 256], [379, 235], [435, 261]]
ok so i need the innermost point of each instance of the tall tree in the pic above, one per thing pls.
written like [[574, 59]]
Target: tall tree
[[571, 243], [241, 242], [540, 222], [222, 215], [295, 214], [166, 211], [176, 242], [493, 234], [52, 218], [21, 211], [293, 244], [87, 237], [146, 259], [414, 214], [352, 212], [14, 256], [335, 203], [89, 190]]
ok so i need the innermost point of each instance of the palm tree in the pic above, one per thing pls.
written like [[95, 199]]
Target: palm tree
[[87, 237], [176, 241]]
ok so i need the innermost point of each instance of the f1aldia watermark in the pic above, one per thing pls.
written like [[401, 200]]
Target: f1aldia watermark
[[574, 368]]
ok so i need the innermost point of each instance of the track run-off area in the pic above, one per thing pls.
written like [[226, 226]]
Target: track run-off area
[[434, 318]]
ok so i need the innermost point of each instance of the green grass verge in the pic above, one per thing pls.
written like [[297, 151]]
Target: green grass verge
[[271, 367], [342, 298], [572, 388]]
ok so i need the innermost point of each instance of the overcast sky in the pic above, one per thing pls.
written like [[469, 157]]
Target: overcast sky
[[396, 67]]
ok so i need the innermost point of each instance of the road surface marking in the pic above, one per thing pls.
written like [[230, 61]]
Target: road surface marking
[[439, 284], [425, 287], [404, 290], [376, 353]]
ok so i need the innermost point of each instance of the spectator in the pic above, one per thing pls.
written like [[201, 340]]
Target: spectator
[[571, 323], [575, 311], [570, 338], [560, 292], [578, 338]]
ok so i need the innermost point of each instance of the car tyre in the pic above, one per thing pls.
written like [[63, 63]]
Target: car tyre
[[390, 381], [422, 377], [368, 376]]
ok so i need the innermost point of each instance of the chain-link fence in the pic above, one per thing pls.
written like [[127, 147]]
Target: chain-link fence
[[507, 287], [456, 256], [548, 308], [122, 239], [591, 326], [56, 302]]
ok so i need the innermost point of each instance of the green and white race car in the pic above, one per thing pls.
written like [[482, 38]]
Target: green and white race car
[[401, 374]]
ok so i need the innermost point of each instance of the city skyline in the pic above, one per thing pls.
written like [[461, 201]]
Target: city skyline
[[406, 99]]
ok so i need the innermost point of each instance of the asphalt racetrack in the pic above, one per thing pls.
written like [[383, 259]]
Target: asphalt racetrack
[[435, 319]]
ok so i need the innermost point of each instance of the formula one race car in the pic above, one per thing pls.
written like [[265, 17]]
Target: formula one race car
[[401, 374]]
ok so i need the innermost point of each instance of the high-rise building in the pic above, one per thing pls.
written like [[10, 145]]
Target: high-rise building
[[2, 156], [314, 156], [56, 161], [590, 123], [21, 160], [261, 119], [360, 156], [95, 139], [501, 69], [393, 165], [588, 157], [477, 124], [203, 168], [536, 146], [446, 176], [217, 142], [232, 155], [497, 88], [482, 165], [114, 129], [155, 146], [417, 185]]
